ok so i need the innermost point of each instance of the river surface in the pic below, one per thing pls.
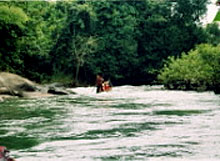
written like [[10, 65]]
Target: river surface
[[128, 123]]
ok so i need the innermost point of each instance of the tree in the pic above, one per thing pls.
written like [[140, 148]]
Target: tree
[[12, 24], [117, 51], [81, 48], [46, 21], [131, 39], [213, 34], [75, 39], [167, 29]]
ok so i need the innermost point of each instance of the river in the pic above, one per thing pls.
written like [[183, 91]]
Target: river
[[128, 123]]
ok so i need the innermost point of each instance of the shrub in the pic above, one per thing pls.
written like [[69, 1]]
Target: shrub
[[200, 68]]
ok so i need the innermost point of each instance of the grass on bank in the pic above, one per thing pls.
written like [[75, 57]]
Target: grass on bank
[[217, 17]]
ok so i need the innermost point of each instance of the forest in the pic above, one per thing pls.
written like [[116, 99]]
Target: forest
[[128, 41]]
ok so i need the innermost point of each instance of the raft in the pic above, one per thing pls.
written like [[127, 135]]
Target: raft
[[106, 86]]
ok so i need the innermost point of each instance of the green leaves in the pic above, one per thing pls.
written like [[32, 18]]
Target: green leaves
[[189, 11], [122, 39], [213, 33], [12, 24], [12, 15], [198, 68]]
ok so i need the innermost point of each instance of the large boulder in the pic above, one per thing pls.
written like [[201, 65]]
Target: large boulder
[[13, 83]]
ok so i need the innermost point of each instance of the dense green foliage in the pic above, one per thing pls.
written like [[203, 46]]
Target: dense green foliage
[[213, 34], [12, 21], [127, 41], [199, 69]]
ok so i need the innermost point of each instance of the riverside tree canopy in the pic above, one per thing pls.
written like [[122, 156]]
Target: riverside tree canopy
[[132, 39]]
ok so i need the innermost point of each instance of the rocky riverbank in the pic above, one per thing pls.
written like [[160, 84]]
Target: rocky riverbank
[[12, 86], [186, 86]]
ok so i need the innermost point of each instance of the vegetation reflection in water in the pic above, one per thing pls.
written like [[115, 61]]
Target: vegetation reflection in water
[[146, 124]]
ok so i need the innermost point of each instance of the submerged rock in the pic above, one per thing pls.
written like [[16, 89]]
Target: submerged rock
[[57, 91]]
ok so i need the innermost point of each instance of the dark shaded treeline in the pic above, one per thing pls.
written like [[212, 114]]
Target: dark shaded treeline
[[127, 41]]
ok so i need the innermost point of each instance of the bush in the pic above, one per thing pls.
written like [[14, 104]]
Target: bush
[[197, 70]]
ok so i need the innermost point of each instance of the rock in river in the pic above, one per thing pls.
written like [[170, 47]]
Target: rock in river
[[12, 85]]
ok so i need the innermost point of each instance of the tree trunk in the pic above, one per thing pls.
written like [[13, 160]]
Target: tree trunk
[[77, 73]]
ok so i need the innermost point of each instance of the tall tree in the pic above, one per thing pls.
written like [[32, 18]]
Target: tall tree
[[82, 46], [168, 28], [46, 21], [78, 27], [12, 24], [116, 28]]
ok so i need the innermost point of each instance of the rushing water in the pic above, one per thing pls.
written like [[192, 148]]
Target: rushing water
[[129, 123]]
